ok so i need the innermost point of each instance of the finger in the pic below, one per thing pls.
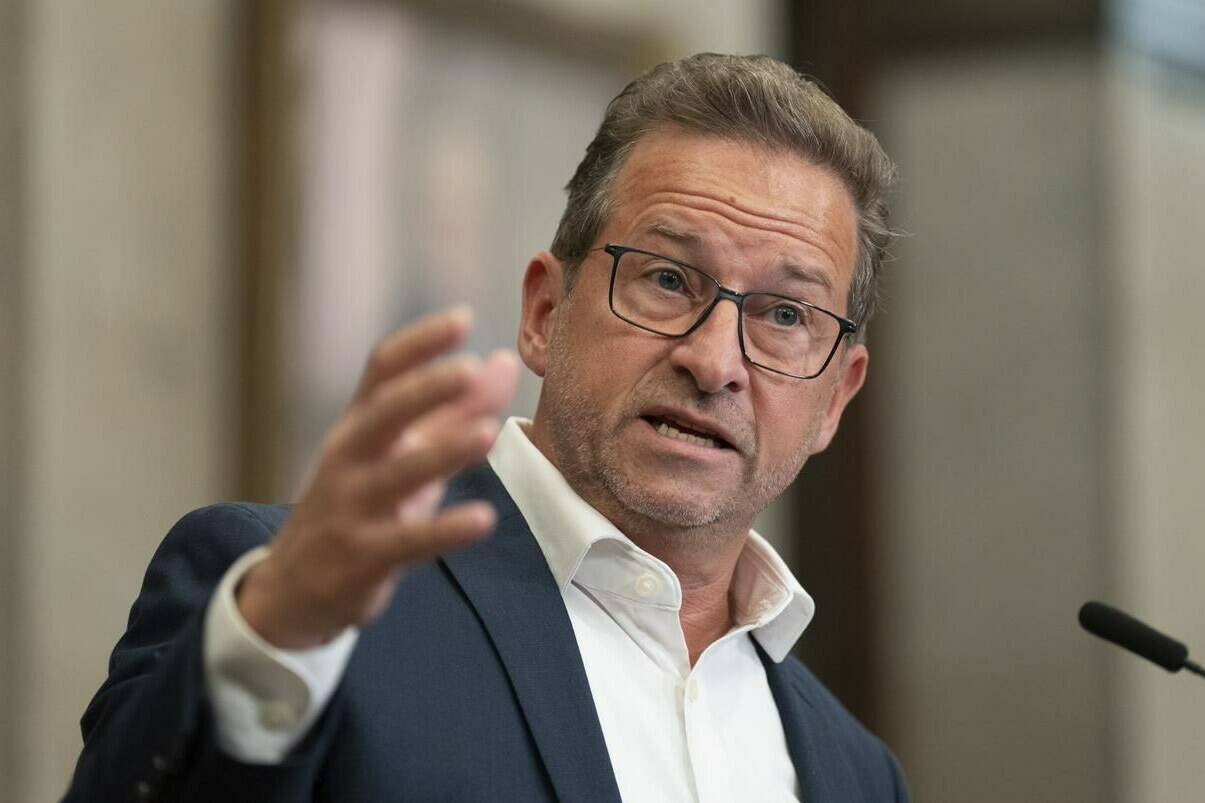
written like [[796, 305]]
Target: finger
[[489, 392], [405, 399], [396, 477], [495, 388], [421, 504], [449, 529], [413, 345]]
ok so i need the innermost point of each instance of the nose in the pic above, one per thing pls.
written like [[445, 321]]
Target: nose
[[711, 354]]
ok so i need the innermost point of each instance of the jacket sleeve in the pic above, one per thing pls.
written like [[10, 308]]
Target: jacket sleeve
[[897, 777], [264, 699], [149, 732]]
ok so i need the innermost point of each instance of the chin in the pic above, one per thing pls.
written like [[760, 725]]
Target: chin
[[673, 507]]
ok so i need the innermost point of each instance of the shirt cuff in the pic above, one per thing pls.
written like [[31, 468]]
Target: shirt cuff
[[264, 699]]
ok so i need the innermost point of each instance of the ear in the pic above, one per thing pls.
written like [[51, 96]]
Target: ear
[[543, 293], [851, 374]]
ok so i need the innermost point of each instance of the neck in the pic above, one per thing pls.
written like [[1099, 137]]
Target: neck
[[706, 580], [703, 558]]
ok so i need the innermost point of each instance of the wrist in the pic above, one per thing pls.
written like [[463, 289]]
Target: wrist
[[264, 605]]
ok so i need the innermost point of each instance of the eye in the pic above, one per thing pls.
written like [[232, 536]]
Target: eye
[[784, 315], [669, 280]]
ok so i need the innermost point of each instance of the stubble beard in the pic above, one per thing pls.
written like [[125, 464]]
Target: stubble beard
[[586, 448]]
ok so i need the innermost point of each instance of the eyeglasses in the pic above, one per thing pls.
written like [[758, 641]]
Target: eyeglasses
[[670, 298]]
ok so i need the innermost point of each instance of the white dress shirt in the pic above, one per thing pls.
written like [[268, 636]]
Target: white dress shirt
[[674, 733]]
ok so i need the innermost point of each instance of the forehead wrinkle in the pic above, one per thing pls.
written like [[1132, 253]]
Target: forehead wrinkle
[[664, 228], [801, 272], [810, 233]]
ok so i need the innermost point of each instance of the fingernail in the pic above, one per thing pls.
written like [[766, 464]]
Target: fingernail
[[461, 314]]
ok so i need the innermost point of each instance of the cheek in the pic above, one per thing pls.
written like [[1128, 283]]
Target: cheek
[[788, 419], [610, 369], [604, 348], [590, 355], [588, 345]]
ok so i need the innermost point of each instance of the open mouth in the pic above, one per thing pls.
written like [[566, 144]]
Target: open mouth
[[679, 431]]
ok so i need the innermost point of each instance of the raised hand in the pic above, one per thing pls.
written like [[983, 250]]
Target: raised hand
[[371, 505]]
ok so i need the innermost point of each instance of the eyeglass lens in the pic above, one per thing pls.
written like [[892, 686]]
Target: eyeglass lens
[[668, 298]]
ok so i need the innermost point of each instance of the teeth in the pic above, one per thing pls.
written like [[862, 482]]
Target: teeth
[[671, 432]]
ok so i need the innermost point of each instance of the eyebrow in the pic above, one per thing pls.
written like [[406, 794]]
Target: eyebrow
[[663, 229], [694, 242]]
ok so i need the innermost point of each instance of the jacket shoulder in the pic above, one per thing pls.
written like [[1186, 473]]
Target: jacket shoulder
[[214, 536], [230, 521], [188, 564]]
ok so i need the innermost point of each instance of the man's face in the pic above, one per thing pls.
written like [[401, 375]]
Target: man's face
[[755, 220]]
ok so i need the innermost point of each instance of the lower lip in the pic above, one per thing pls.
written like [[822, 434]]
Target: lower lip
[[685, 448]]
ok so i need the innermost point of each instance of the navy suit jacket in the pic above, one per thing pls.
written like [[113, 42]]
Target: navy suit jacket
[[470, 687]]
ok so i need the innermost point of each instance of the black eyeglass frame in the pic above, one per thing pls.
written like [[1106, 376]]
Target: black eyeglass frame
[[847, 327]]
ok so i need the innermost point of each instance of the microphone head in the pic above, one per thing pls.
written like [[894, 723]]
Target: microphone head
[[1126, 631]]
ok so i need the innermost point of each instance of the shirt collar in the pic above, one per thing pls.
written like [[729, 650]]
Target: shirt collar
[[581, 545]]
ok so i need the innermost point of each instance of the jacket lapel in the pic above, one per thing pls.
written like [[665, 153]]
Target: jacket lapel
[[507, 580], [824, 772]]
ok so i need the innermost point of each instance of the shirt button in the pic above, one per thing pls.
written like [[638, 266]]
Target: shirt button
[[692, 690], [277, 715], [646, 586]]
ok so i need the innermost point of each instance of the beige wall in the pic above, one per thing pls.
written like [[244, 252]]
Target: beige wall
[[990, 398], [125, 367], [1156, 164], [10, 387], [1040, 381], [688, 26]]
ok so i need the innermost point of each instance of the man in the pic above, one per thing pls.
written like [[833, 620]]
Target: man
[[587, 616]]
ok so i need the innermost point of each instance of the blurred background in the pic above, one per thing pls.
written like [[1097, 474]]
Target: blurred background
[[210, 210]]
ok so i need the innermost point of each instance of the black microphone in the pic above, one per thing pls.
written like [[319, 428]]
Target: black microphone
[[1126, 631]]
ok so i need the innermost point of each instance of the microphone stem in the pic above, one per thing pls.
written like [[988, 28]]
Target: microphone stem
[[1194, 667]]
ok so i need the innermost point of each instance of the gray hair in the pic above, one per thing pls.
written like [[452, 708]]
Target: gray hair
[[752, 99]]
